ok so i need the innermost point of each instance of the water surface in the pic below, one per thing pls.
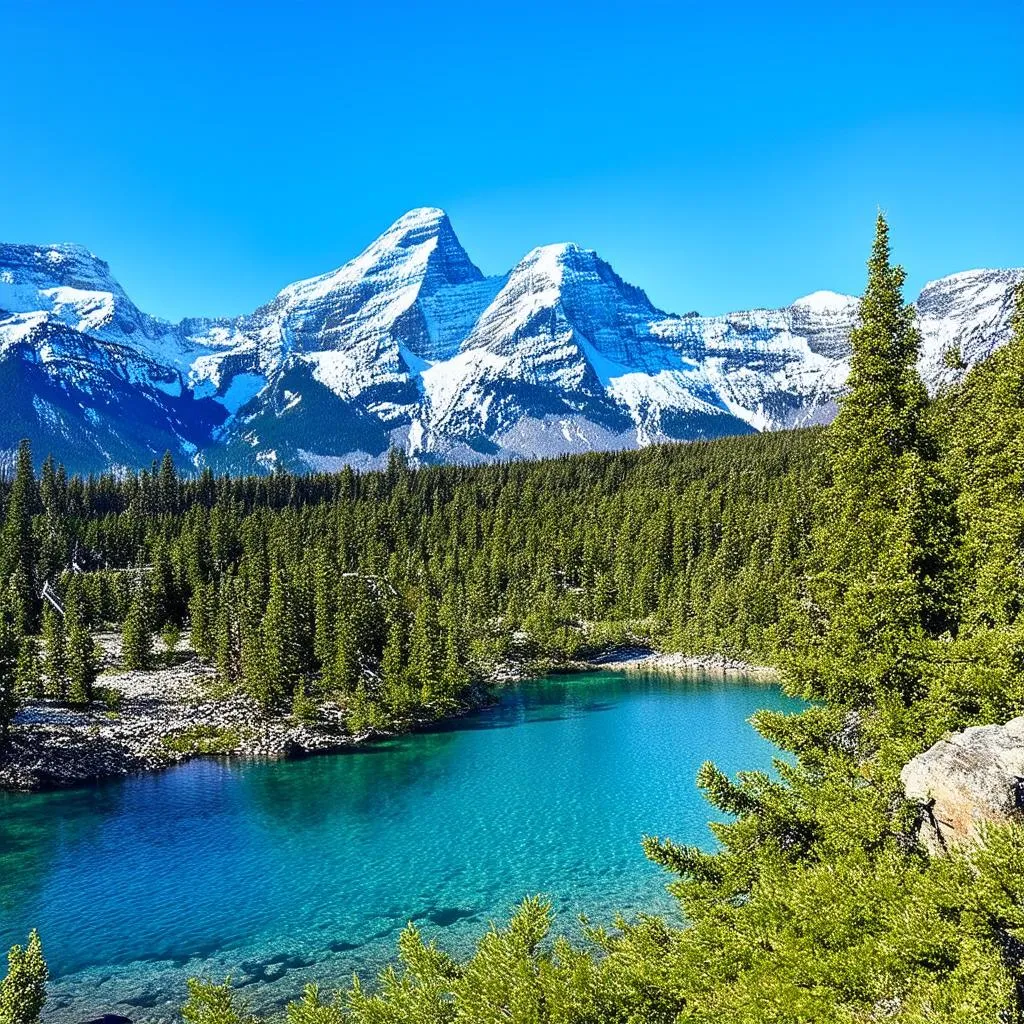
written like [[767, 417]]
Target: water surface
[[280, 873]]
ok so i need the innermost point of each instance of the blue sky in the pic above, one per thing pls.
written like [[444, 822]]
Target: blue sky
[[721, 156]]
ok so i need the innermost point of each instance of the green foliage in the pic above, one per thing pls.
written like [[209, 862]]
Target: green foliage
[[137, 632], [170, 635], [8, 674], [204, 739], [55, 653], [879, 583], [17, 540], [209, 1003], [83, 657], [312, 1010], [23, 990]]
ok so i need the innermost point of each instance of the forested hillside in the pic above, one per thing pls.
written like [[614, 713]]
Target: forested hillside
[[877, 562], [396, 590]]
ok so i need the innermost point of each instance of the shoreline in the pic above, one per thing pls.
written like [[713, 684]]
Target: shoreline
[[647, 659], [167, 715]]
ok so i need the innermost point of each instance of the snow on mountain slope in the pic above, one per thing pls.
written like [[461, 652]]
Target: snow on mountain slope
[[962, 319], [565, 354], [410, 344]]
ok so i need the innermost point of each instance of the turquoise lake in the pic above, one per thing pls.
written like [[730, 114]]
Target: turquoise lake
[[280, 873]]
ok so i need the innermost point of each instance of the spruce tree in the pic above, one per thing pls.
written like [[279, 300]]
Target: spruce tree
[[18, 548], [345, 668], [281, 662], [201, 628], [29, 668], [23, 990], [55, 653], [8, 675], [137, 631], [424, 648], [879, 587], [82, 656]]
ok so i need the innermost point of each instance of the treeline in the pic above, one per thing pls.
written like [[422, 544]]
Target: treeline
[[395, 591]]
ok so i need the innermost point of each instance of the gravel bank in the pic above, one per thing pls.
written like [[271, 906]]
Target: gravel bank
[[157, 712]]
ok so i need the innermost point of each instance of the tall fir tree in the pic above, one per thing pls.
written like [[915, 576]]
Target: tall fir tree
[[55, 653], [137, 630], [879, 587], [18, 547], [83, 661], [9, 644]]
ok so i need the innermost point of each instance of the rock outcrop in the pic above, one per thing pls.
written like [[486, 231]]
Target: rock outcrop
[[972, 778]]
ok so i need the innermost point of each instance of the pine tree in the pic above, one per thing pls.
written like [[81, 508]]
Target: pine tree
[[214, 1004], [424, 649], [137, 631], [55, 653], [201, 631], [29, 668], [393, 667], [281, 661], [167, 485], [8, 675], [23, 991], [878, 591], [162, 591], [345, 667], [82, 656], [18, 548]]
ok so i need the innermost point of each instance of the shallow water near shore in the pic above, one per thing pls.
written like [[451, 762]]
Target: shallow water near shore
[[286, 872]]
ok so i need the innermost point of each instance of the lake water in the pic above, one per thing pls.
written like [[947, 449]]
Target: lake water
[[280, 873]]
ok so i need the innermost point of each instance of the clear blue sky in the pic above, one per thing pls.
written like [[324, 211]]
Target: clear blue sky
[[721, 156]]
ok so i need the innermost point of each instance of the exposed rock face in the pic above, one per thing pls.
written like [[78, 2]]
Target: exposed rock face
[[974, 777], [409, 344]]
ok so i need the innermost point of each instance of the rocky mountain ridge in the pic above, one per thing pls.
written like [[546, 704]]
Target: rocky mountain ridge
[[411, 345]]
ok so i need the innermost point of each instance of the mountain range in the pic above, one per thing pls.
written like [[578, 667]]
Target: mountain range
[[410, 345]]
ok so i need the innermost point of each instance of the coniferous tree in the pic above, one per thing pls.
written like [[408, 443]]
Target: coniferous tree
[[17, 550], [879, 588], [137, 631], [8, 674], [83, 662], [201, 624], [83, 654], [29, 669], [392, 666], [281, 661], [424, 649], [345, 666], [55, 653]]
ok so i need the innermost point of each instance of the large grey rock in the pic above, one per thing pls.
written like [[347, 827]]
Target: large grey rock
[[971, 778]]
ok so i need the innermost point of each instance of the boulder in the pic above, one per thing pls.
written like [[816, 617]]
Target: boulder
[[969, 779]]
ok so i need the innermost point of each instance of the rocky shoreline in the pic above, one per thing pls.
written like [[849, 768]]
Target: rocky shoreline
[[646, 659], [151, 720], [162, 716]]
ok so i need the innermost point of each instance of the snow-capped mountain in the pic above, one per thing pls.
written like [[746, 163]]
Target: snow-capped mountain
[[410, 345]]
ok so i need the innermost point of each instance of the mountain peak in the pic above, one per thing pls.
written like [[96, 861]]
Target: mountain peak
[[420, 215], [825, 302]]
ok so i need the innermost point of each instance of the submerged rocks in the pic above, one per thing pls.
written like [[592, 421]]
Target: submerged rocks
[[967, 780]]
